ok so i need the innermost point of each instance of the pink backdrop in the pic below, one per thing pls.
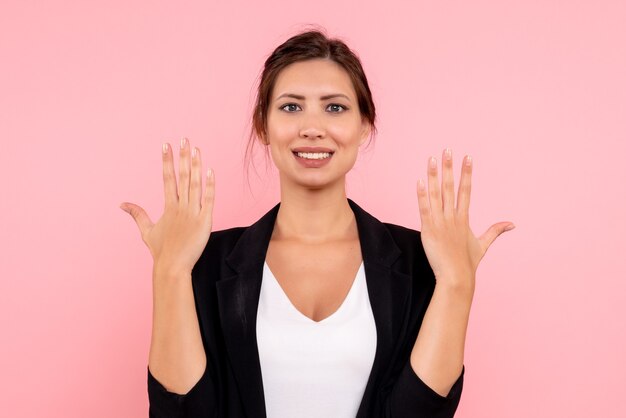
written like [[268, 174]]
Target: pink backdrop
[[534, 91]]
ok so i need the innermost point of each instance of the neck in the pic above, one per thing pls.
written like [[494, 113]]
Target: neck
[[314, 216]]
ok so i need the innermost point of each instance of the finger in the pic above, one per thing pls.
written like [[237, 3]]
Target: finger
[[209, 196], [169, 177], [422, 201], [139, 215], [183, 173], [465, 188], [494, 232], [447, 183], [433, 189], [195, 185]]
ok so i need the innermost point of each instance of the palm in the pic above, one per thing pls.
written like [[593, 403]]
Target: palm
[[181, 234], [452, 250]]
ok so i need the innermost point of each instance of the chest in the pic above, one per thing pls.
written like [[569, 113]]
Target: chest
[[315, 278]]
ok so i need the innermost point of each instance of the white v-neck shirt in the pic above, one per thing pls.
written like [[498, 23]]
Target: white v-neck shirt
[[314, 369]]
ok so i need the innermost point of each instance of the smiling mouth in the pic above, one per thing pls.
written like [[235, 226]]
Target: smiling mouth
[[313, 155]]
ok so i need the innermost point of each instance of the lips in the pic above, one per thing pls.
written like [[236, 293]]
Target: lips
[[313, 162], [312, 149]]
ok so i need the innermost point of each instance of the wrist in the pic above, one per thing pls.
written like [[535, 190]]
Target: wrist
[[460, 289], [169, 271]]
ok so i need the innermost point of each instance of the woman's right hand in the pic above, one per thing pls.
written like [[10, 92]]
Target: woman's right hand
[[177, 240]]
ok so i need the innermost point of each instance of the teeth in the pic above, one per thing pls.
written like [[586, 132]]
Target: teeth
[[314, 155]]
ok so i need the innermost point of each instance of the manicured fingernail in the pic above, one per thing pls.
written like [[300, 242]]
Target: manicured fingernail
[[468, 160], [183, 142], [433, 162], [448, 154], [194, 151], [509, 227], [209, 172], [420, 185], [165, 148]]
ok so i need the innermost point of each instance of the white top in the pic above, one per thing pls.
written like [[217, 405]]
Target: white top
[[314, 369]]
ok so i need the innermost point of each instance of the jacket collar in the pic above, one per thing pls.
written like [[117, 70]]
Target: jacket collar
[[238, 299]]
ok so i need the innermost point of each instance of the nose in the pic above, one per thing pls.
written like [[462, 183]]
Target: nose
[[312, 128]]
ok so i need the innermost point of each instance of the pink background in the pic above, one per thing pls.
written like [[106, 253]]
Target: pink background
[[534, 91]]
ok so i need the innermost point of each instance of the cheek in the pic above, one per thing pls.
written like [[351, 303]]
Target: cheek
[[281, 128], [345, 133]]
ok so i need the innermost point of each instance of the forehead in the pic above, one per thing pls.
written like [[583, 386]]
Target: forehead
[[313, 78]]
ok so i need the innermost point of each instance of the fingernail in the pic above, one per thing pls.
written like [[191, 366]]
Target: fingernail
[[448, 154], [183, 142], [209, 172], [194, 152], [165, 148], [508, 228], [433, 162], [468, 160]]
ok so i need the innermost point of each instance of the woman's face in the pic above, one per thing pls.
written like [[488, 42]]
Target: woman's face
[[300, 116]]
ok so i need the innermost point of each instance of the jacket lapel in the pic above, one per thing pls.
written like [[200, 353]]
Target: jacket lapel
[[238, 299]]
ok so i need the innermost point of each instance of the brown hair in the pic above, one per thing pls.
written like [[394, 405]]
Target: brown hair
[[310, 44]]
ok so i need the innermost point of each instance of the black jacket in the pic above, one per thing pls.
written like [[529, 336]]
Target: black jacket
[[226, 285]]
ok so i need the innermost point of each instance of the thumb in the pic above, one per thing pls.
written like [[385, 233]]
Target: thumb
[[494, 232], [139, 215]]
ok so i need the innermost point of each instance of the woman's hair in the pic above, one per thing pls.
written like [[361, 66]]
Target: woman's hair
[[311, 44]]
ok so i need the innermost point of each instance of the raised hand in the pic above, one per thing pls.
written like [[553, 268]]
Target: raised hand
[[177, 240], [452, 250]]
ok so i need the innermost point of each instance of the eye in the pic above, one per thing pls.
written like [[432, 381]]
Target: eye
[[288, 104], [334, 105], [338, 105]]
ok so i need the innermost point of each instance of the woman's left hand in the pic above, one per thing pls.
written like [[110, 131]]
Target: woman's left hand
[[450, 246]]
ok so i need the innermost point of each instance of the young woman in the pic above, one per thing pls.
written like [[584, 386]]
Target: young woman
[[318, 309]]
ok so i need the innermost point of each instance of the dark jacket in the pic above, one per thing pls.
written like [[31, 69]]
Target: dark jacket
[[226, 285]]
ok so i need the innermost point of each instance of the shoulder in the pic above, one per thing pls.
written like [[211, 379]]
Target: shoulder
[[413, 259], [226, 237], [221, 242], [402, 234], [408, 240]]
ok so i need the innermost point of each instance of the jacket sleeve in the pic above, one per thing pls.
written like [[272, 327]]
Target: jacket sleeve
[[412, 397], [199, 402]]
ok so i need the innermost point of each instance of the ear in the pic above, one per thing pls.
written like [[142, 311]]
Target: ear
[[366, 129]]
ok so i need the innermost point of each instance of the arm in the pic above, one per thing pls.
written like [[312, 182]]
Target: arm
[[177, 356], [453, 253], [179, 384], [176, 242], [431, 382], [437, 355]]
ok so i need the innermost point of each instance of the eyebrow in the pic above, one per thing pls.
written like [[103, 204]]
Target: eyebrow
[[328, 96]]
